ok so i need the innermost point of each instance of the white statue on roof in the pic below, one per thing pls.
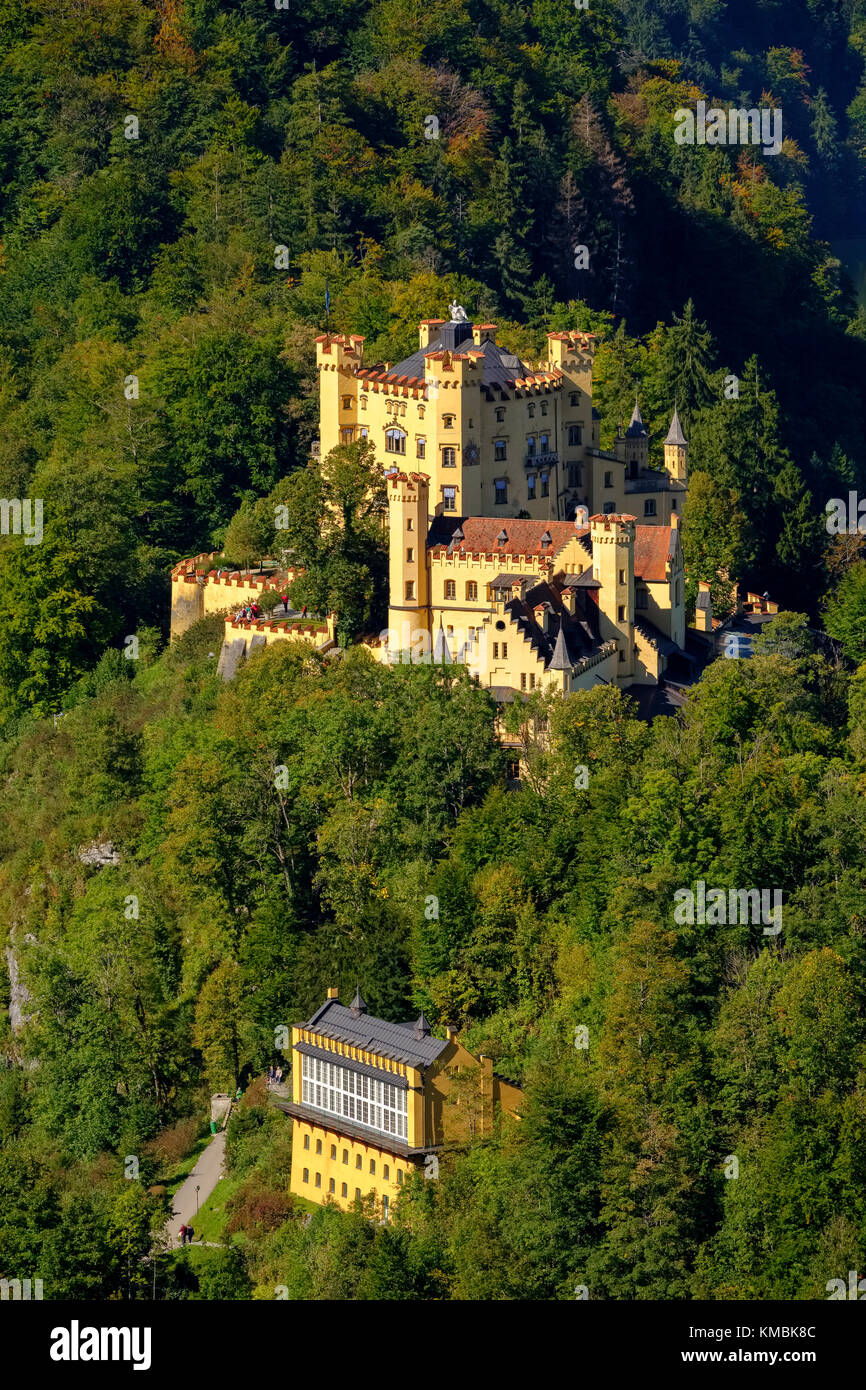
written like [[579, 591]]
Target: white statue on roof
[[457, 312]]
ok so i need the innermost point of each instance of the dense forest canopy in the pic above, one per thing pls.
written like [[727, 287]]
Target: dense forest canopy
[[189, 193]]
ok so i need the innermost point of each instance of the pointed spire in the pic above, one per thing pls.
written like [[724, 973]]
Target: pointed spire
[[422, 1027], [675, 433], [636, 427], [441, 650], [560, 661], [358, 1004]]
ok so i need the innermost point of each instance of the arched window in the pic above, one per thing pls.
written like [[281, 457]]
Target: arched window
[[395, 442]]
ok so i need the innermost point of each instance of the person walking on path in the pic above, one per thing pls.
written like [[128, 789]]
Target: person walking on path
[[189, 1235], [183, 1235]]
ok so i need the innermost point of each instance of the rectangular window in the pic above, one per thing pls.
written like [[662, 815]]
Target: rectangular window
[[363, 402], [500, 490], [449, 458], [347, 402], [345, 1157], [373, 1166], [532, 681], [346, 436], [523, 681], [500, 414], [306, 1175], [574, 397], [574, 434], [410, 555], [608, 480], [448, 422], [420, 448], [332, 1186], [357, 1192], [544, 407], [410, 589], [399, 1176], [386, 1171], [333, 1151], [574, 475], [395, 442], [385, 1207], [306, 1141], [545, 485], [620, 612], [472, 590], [318, 1146], [344, 1190], [450, 588], [495, 651], [410, 524], [499, 450], [649, 507], [609, 508], [504, 651], [530, 447], [449, 498], [318, 1180], [530, 487], [622, 576]]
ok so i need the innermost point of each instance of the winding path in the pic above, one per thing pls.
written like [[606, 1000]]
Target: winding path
[[206, 1173]]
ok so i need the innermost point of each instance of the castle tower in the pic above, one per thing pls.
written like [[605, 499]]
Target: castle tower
[[633, 446], [676, 451], [613, 565], [409, 571], [337, 360]]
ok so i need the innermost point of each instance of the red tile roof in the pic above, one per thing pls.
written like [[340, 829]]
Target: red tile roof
[[480, 535], [651, 544]]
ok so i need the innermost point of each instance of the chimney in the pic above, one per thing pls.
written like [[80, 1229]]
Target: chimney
[[333, 993], [427, 330], [450, 1033], [483, 333]]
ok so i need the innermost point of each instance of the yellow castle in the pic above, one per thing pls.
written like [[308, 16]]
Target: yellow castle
[[516, 544], [530, 605], [495, 437], [372, 1102]]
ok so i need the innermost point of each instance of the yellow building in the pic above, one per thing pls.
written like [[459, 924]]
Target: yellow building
[[530, 605], [372, 1102], [496, 437]]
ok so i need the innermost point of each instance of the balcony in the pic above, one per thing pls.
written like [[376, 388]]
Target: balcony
[[541, 461]]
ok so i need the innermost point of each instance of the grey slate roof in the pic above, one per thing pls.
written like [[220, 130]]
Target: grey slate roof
[[636, 429], [394, 1040], [560, 659], [500, 367], [675, 433]]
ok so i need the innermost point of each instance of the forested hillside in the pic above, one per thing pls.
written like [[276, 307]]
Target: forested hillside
[[190, 192]]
